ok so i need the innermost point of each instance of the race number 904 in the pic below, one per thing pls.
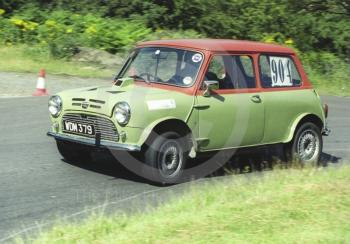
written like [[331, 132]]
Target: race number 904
[[281, 73]]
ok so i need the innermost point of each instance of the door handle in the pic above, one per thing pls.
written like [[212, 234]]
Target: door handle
[[256, 98], [201, 106]]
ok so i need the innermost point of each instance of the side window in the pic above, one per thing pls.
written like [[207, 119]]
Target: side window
[[232, 71], [278, 71], [216, 70], [247, 64], [245, 72]]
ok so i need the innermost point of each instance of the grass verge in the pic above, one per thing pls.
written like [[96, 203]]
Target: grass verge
[[283, 206], [27, 59], [337, 84]]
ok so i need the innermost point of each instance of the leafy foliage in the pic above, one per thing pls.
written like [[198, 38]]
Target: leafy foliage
[[62, 31]]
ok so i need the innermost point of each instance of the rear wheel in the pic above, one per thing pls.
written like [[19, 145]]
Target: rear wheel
[[166, 158], [73, 152], [306, 146]]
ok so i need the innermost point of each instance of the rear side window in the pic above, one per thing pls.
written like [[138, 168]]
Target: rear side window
[[278, 71], [232, 71]]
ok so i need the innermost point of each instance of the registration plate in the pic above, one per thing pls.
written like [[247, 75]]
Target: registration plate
[[78, 128]]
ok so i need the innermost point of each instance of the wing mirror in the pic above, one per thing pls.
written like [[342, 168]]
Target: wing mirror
[[209, 86]]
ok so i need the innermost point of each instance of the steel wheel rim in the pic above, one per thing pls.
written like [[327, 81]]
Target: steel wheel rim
[[308, 146], [170, 159]]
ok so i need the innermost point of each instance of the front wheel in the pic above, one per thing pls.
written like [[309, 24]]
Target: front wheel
[[306, 146], [166, 158]]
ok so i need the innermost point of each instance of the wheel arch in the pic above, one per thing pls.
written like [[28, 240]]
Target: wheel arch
[[303, 118], [167, 124]]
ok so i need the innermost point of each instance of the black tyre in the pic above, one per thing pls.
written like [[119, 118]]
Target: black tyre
[[73, 152], [306, 146], [166, 157]]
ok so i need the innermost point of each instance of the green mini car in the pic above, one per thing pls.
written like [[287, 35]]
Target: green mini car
[[175, 99]]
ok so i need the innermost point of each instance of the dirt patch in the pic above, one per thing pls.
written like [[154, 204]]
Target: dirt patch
[[98, 57]]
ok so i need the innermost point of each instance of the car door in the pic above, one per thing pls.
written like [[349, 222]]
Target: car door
[[233, 115]]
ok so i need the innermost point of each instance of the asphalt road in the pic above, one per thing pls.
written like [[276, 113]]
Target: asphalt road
[[37, 186]]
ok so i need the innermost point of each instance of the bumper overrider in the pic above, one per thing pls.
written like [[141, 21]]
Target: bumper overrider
[[326, 131], [95, 142]]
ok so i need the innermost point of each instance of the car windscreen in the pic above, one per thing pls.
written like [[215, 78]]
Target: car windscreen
[[163, 65]]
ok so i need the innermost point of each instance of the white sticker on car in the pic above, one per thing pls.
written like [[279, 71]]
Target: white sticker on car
[[197, 58], [161, 104], [187, 80], [281, 71]]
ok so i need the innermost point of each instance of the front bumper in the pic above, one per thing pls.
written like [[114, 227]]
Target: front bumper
[[95, 142]]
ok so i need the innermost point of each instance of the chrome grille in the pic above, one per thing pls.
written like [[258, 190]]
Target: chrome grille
[[102, 125], [92, 103]]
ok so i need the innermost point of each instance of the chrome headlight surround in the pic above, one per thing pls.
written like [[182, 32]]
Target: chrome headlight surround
[[55, 106], [122, 113]]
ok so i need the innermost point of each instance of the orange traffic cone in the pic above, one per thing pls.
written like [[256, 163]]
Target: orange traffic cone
[[40, 85]]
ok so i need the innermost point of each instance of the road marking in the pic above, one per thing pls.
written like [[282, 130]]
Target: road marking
[[81, 212]]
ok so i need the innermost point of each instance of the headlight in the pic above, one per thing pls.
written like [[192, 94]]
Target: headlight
[[122, 113], [55, 106]]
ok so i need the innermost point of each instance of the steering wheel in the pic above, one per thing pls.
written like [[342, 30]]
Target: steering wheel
[[150, 77]]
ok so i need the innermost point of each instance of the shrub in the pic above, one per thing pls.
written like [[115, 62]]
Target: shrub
[[327, 71], [62, 32]]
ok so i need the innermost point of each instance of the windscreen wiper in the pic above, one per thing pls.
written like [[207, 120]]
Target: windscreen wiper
[[137, 77]]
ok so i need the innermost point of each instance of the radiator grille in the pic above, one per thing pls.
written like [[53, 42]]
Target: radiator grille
[[102, 125], [92, 103]]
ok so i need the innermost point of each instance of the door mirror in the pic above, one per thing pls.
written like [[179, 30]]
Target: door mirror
[[210, 85]]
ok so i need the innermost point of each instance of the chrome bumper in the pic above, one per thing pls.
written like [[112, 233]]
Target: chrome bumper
[[95, 142]]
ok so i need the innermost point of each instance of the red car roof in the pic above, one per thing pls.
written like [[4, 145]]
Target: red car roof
[[220, 45]]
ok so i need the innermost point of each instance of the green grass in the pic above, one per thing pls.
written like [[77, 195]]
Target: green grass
[[337, 84], [283, 206], [27, 59], [329, 73]]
